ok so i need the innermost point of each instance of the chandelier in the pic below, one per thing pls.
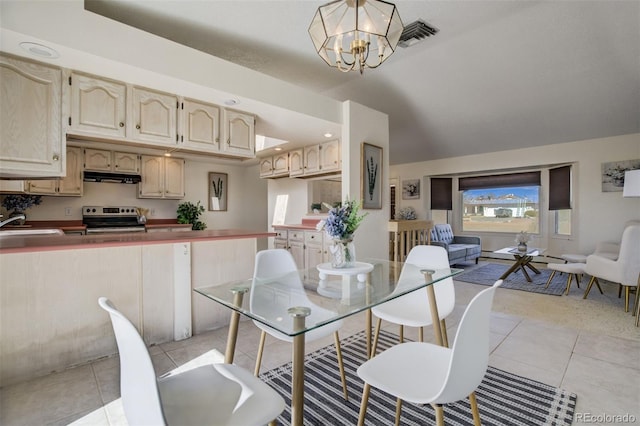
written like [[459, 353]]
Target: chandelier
[[354, 34]]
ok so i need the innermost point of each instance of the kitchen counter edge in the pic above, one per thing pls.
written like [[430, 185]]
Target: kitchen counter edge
[[32, 243]]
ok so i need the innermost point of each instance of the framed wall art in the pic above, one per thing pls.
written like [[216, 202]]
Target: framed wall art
[[613, 174], [371, 176], [411, 189], [218, 189]]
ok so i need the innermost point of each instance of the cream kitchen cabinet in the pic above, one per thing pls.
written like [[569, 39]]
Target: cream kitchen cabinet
[[154, 117], [111, 161], [199, 126], [32, 141], [280, 241], [295, 241], [296, 162], [314, 253], [275, 166], [162, 177], [98, 106], [311, 159], [70, 185], [330, 156], [240, 137]]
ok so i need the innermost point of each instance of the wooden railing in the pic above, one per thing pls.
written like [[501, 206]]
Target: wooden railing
[[406, 234]]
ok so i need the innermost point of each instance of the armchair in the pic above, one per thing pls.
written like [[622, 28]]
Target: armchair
[[459, 248], [625, 270]]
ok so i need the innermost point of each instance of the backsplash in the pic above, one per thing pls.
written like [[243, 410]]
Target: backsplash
[[99, 194]]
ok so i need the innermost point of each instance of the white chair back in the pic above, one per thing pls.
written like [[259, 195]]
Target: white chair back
[[629, 256], [470, 351], [429, 257], [138, 383]]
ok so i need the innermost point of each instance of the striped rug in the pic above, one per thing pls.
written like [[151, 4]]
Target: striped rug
[[503, 398]]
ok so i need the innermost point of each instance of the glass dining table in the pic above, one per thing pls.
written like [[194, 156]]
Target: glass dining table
[[286, 303]]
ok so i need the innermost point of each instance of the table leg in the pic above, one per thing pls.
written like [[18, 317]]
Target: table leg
[[513, 268], [435, 316], [232, 337], [297, 375]]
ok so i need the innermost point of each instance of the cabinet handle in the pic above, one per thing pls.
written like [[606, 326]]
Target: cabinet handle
[[138, 126], [229, 141], [56, 157], [121, 124]]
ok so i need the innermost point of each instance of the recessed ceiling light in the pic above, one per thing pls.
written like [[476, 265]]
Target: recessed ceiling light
[[278, 148], [167, 154], [39, 50], [231, 102], [328, 135]]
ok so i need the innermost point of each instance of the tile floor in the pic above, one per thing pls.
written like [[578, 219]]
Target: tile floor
[[589, 347]]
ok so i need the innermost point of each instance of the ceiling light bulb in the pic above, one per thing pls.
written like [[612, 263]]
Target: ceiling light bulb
[[328, 135]]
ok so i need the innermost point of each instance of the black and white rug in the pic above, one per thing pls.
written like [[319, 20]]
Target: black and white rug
[[503, 398], [491, 272]]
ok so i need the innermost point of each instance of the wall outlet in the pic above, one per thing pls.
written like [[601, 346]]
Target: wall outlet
[[67, 211]]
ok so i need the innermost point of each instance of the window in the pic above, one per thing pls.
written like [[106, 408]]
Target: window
[[506, 203], [563, 222]]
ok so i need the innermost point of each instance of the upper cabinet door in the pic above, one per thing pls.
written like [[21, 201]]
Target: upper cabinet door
[[330, 156], [173, 177], [240, 134], [281, 164], [31, 131], [98, 160], [152, 171], [296, 162], [98, 106], [126, 162], [311, 159], [154, 116], [200, 126], [72, 183]]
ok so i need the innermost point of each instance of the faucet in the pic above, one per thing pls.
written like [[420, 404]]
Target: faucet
[[11, 219]]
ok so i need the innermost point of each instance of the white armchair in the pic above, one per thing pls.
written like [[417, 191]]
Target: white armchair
[[625, 270]]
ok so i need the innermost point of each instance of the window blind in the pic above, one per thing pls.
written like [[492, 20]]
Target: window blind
[[499, 181], [560, 188], [441, 197]]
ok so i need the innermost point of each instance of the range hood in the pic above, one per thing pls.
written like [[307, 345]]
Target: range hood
[[111, 177]]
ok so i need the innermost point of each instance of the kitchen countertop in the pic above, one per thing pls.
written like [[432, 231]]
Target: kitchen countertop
[[35, 243]]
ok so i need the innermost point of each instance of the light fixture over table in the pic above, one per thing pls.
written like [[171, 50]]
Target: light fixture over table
[[354, 34]]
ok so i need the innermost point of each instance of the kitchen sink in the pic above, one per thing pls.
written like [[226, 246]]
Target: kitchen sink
[[29, 232]]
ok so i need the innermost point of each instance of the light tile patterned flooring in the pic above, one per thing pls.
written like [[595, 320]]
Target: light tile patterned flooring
[[589, 347]]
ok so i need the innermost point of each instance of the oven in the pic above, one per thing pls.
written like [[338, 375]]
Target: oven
[[111, 219]]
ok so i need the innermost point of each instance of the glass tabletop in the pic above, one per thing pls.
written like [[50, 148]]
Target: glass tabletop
[[275, 301]]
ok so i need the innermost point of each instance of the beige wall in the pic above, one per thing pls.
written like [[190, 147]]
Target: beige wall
[[597, 216]]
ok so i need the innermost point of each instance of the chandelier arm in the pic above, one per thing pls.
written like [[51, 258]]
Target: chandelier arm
[[343, 60], [349, 66]]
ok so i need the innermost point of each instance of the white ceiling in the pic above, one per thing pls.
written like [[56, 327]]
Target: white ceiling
[[499, 74]]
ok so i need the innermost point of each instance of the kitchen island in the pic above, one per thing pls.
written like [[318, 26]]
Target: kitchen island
[[49, 316]]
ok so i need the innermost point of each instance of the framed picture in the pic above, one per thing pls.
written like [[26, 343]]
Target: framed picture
[[411, 189], [613, 174], [371, 172], [218, 188]]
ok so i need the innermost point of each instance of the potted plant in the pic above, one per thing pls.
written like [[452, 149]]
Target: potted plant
[[190, 213], [18, 203]]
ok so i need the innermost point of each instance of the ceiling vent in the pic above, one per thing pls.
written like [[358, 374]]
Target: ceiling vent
[[416, 32]]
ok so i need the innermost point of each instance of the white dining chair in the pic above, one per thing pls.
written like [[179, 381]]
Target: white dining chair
[[413, 309], [278, 265], [220, 394], [425, 373]]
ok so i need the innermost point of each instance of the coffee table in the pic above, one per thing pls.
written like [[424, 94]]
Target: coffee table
[[523, 260]]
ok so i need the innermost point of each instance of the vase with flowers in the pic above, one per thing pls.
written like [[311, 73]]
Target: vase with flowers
[[340, 225], [522, 238], [17, 204]]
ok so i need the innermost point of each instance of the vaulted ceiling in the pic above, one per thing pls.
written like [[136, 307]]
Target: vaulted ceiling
[[498, 75]]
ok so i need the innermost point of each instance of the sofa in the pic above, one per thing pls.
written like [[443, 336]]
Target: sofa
[[459, 248]]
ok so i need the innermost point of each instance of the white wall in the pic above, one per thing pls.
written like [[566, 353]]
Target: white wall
[[363, 124], [597, 216]]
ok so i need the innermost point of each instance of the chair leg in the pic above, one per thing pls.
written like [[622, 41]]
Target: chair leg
[[591, 281], [341, 366], [474, 409], [420, 334], [578, 279], [398, 411], [363, 404], [568, 284], [439, 414], [401, 333], [376, 335], [619, 290], [263, 337], [553, 274], [626, 297], [443, 329]]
